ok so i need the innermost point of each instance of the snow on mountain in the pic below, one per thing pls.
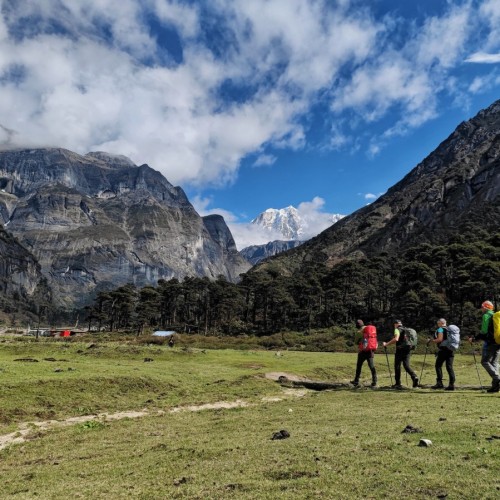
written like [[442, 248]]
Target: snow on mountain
[[291, 224]]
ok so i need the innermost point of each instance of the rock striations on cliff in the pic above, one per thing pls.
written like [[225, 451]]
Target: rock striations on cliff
[[456, 186], [256, 253], [98, 221], [20, 273]]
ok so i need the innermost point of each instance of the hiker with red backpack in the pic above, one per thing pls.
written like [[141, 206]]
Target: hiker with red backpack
[[491, 348], [405, 340], [446, 340], [366, 337]]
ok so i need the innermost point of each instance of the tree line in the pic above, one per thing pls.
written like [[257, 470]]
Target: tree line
[[423, 283]]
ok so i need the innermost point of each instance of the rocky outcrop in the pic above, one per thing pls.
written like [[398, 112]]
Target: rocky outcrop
[[225, 248], [456, 186], [256, 253], [20, 273], [98, 221]]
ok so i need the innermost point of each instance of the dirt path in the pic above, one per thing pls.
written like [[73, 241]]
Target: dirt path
[[25, 429]]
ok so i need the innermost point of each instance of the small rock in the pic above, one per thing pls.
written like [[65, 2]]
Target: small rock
[[409, 429], [491, 438], [58, 370], [148, 360], [283, 434], [442, 419], [425, 443]]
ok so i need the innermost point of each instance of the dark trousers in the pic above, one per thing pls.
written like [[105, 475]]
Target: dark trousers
[[490, 360], [445, 355], [368, 356], [403, 356]]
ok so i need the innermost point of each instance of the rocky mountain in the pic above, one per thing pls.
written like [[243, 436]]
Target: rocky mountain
[[98, 221], [255, 253], [456, 186], [286, 222], [20, 273]]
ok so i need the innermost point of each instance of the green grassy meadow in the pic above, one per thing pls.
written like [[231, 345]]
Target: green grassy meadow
[[345, 443]]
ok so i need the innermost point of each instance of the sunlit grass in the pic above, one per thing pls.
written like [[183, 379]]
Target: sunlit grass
[[343, 443]]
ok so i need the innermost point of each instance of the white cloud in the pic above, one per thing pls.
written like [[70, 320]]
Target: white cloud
[[92, 75], [482, 57], [265, 160], [314, 219], [490, 13], [371, 196]]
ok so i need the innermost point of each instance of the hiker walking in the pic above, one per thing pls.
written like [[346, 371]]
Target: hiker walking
[[404, 345], [490, 355], [444, 354], [366, 336]]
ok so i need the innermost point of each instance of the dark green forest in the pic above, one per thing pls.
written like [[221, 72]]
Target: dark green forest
[[421, 284]]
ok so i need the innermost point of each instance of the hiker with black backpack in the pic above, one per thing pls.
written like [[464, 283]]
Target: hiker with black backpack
[[491, 348], [405, 340], [447, 339], [366, 336]]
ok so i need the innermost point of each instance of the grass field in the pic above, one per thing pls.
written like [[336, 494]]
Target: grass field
[[345, 443]]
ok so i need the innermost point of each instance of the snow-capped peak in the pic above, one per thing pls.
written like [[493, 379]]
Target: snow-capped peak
[[291, 225]]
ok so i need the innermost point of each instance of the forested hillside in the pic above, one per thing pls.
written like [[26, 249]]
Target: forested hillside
[[425, 282]]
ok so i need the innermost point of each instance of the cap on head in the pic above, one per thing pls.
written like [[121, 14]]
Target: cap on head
[[398, 322], [487, 305], [359, 322]]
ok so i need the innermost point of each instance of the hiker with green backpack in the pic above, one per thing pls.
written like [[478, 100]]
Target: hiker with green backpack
[[405, 340], [490, 334]]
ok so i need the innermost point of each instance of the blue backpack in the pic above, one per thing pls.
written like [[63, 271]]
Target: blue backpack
[[452, 340]]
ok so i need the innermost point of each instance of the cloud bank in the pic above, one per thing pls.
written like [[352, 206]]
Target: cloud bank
[[193, 88]]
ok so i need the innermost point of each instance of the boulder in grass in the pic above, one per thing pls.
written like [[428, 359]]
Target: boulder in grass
[[283, 434], [425, 443]]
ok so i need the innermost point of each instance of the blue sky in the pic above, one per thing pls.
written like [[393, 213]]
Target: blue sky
[[250, 104]]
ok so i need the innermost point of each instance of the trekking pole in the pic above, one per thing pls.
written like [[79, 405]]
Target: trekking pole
[[388, 366], [477, 370], [425, 355]]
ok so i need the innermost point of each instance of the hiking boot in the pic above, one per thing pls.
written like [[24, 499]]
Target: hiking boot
[[399, 387], [355, 383], [439, 385], [494, 388], [415, 382], [374, 383], [450, 388]]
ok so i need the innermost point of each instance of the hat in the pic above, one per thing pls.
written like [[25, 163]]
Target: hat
[[487, 305], [398, 322], [359, 322]]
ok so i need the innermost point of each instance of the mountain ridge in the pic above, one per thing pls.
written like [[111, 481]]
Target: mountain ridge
[[98, 221], [455, 185]]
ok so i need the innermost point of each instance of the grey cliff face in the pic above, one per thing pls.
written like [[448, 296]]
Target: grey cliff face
[[98, 221], [455, 186], [19, 271], [256, 253]]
